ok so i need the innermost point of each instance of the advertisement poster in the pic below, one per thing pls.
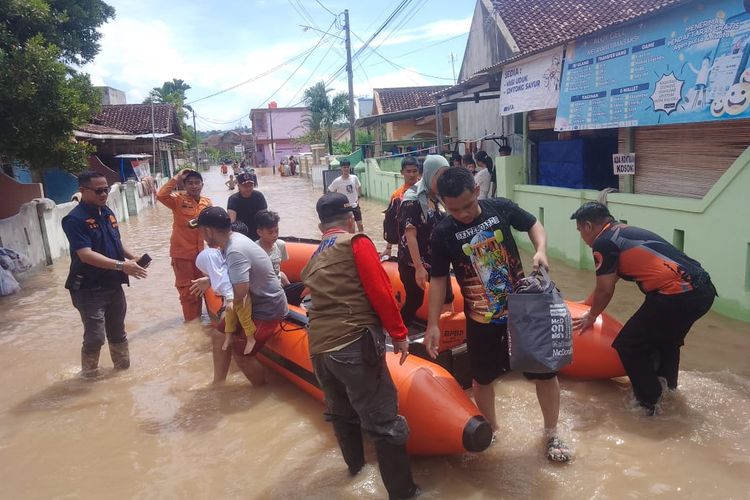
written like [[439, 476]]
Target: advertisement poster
[[689, 64], [533, 83], [141, 168]]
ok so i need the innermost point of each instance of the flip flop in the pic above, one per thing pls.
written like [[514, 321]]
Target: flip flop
[[557, 451]]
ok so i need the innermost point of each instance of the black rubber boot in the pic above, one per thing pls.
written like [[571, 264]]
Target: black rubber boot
[[120, 355], [89, 364], [395, 471], [349, 437]]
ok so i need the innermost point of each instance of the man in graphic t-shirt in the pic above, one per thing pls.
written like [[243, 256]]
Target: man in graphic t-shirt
[[348, 184], [678, 292], [476, 238]]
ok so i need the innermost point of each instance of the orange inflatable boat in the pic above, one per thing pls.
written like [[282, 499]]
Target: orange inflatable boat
[[442, 419], [593, 355]]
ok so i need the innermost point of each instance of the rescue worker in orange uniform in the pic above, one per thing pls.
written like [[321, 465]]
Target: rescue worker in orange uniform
[[185, 243]]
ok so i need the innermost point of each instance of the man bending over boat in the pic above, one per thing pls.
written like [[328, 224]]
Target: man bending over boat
[[476, 238], [352, 301], [678, 292]]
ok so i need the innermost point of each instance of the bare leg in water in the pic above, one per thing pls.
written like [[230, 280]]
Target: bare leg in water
[[222, 358], [251, 367]]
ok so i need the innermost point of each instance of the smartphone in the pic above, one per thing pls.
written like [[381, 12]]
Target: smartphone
[[144, 261]]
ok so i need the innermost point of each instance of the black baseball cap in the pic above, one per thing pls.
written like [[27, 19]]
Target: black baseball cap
[[330, 206], [213, 217], [244, 178]]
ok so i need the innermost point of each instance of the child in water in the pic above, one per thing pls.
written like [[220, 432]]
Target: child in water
[[212, 264], [231, 183]]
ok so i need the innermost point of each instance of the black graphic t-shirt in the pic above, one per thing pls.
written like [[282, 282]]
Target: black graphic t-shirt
[[484, 257], [411, 214]]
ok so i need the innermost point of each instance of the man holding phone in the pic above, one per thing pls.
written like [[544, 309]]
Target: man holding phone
[[99, 265], [185, 243]]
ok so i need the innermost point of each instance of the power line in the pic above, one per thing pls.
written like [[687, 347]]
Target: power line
[[312, 74], [298, 67], [401, 6], [326, 8], [256, 77], [398, 66]]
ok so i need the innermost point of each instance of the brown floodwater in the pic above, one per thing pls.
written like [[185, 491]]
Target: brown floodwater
[[160, 430]]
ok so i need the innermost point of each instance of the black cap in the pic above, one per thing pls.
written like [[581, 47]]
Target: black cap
[[244, 178], [591, 211], [331, 206], [213, 217], [192, 173]]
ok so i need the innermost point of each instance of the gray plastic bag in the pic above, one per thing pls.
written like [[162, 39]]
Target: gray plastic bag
[[540, 329]]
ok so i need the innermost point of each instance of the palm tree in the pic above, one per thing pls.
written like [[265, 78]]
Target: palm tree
[[324, 111]]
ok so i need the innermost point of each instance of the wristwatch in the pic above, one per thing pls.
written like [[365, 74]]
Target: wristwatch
[[119, 265]]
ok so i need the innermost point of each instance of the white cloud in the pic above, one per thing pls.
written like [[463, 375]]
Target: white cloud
[[137, 55]]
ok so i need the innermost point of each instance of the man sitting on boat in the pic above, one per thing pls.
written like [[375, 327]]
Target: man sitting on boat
[[351, 299]]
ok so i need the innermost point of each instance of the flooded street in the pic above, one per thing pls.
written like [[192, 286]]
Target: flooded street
[[159, 430]]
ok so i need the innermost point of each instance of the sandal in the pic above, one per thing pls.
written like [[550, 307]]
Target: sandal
[[557, 451]]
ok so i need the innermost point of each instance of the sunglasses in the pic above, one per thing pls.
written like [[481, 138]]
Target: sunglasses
[[99, 191]]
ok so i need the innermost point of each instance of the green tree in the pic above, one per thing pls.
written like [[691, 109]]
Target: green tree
[[42, 97], [173, 93], [325, 112]]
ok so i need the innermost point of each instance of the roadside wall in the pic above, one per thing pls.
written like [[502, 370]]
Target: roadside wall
[[378, 183], [16, 194], [36, 230]]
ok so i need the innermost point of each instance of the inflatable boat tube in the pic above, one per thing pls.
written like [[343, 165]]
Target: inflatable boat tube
[[593, 355], [442, 419]]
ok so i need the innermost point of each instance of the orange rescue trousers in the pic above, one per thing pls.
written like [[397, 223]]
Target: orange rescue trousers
[[184, 273]]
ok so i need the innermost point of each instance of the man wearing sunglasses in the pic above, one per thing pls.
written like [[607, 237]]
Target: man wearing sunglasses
[[185, 243], [99, 265]]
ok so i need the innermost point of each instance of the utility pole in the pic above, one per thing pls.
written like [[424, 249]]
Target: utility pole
[[195, 138], [453, 65], [273, 149], [350, 78], [153, 137]]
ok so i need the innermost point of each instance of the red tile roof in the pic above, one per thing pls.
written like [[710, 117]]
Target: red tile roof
[[92, 128], [136, 119], [396, 99], [536, 25]]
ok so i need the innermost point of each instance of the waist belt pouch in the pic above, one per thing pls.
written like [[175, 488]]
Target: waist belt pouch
[[540, 330], [373, 346]]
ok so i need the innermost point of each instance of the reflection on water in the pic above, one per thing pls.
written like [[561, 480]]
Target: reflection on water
[[159, 430]]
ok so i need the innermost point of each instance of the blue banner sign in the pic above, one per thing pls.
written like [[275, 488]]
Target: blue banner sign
[[688, 64]]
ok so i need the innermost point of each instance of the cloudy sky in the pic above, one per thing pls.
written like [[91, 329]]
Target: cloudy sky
[[215, 46]]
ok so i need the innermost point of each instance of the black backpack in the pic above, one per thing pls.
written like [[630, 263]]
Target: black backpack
[[390, 222]]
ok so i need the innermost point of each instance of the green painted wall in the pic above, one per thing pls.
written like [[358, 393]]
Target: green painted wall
[[379, 184], [715, 229]]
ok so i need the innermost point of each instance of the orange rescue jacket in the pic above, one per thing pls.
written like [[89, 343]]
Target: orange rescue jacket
[[185, 243]]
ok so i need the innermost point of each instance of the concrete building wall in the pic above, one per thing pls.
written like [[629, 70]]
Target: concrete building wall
[[485, 47], [15, 194], [287, 124], [112, 96]]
